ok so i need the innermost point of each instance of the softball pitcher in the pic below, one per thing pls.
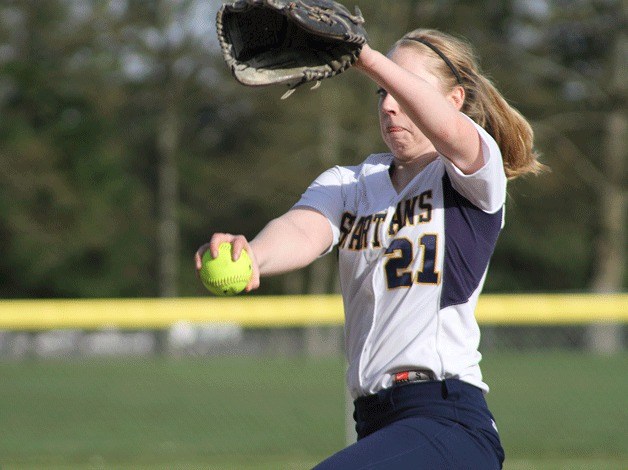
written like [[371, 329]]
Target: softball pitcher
[[415, 229]]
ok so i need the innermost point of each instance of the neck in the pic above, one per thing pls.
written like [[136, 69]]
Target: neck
[[402, 172]]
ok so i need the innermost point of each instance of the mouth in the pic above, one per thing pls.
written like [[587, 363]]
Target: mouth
[[394, 129]]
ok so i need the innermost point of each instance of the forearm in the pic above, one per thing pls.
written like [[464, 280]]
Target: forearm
[[424, 104], [435, 113], [291, 242]]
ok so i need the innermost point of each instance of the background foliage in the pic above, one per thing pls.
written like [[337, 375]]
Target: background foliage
[[124, 142]]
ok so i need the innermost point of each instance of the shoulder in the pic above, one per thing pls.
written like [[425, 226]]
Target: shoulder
[[374, 163], [486, 188], [378, 159]]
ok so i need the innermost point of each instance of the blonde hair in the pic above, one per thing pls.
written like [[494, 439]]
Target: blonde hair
[[457, 65]]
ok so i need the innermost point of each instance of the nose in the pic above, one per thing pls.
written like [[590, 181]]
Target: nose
[[388, 104]]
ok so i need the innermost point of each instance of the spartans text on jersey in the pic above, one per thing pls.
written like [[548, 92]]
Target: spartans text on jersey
[[363, 233]]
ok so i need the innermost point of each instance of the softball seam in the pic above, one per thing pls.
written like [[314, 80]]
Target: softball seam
[[227, 280]]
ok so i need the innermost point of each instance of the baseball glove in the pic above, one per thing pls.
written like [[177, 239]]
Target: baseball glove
[[268, 42]]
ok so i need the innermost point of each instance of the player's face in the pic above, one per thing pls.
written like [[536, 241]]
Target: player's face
[[404, 139]]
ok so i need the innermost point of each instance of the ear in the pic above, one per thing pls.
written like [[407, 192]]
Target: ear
[[456, 96]]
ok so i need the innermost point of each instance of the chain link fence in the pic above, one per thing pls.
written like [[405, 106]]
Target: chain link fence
[[187, 339], [224, 395]]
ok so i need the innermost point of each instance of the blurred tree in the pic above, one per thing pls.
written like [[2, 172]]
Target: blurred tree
[[94, 95], [66, 197], [611, 244], [576, 81], [124, 141]]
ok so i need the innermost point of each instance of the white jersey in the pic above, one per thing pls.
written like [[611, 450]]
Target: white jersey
[[412, 264]]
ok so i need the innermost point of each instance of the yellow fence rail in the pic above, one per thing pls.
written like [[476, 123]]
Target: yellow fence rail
[[289, 311]]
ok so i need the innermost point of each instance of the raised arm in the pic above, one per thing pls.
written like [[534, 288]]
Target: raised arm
[[431, 109], [287, 243]]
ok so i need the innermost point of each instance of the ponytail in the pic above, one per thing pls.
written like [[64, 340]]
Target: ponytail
[[483, 102], [512, 132]]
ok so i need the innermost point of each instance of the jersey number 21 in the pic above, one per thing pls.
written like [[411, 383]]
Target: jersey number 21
[[400, 254]]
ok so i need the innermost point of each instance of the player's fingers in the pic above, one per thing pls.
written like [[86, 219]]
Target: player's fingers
[[213, 244], [216, 240], [242, 244], [198, 256], [254, 281], [238, 244]]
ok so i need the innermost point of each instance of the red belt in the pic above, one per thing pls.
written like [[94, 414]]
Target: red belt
[[412, 376]]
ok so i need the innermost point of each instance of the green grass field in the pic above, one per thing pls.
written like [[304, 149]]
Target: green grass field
[[554, 410]]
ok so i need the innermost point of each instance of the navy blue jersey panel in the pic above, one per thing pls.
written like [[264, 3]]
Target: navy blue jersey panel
[[470, 238]]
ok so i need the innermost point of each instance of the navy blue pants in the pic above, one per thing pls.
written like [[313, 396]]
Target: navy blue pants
[[422, 425]]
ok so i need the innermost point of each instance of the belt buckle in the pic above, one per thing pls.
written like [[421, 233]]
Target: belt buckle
[[411, 376]]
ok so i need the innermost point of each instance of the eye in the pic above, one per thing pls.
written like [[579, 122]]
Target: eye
[[381, 93]]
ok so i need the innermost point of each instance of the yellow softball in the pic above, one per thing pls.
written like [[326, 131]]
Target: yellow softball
[[222, 275]]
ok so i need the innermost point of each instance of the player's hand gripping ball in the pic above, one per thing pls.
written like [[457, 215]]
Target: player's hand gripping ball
[[222, 275]]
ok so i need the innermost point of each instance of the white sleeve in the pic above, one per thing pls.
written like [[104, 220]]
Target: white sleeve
[[486, 188], [325, 195]]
